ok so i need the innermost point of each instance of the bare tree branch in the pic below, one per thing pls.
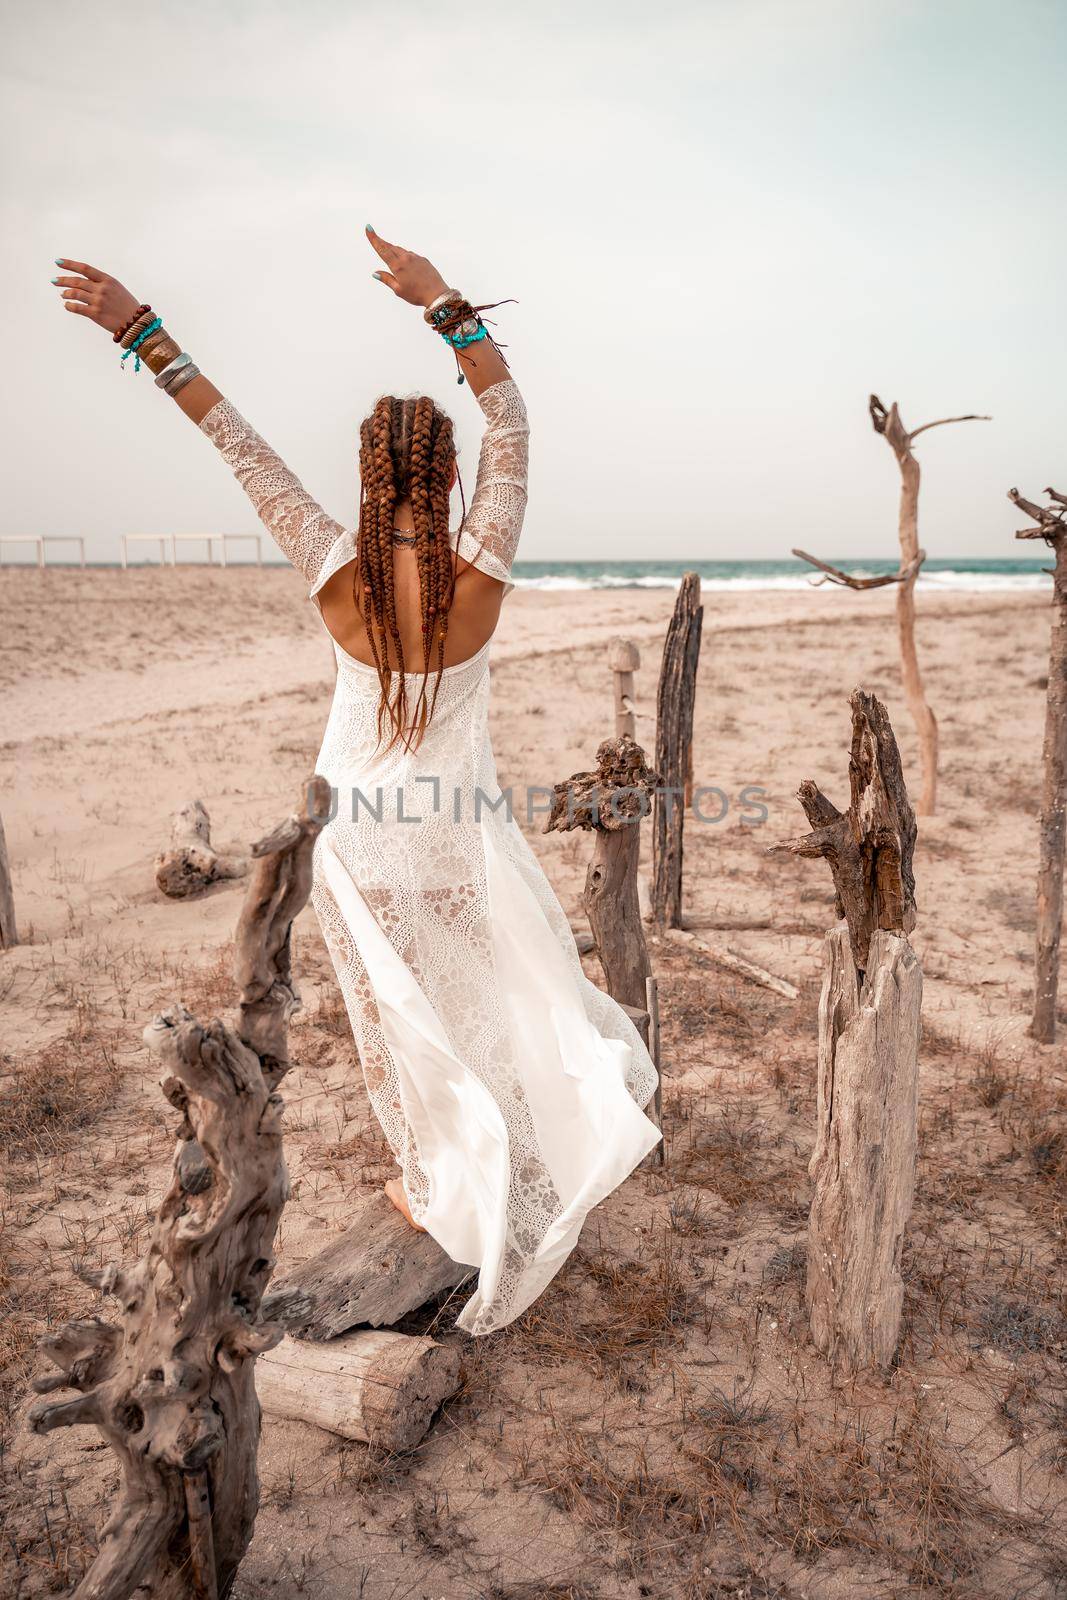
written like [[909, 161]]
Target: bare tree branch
[[1051, 521], [972, 416], [835, 574]]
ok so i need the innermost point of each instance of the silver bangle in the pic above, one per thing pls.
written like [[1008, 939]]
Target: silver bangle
[[442, 300], [169, 372], [178, 382]]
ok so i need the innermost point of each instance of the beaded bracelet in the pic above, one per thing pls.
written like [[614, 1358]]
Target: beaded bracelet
[[460, 324], [460, 341], [138, 314], [140, 339]]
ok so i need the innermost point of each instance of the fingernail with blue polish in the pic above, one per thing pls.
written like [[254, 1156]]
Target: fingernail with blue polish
[[59, 261], [367, 227], [55, 280]]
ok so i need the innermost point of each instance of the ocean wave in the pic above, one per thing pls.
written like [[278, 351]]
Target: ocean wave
[[949, 581]]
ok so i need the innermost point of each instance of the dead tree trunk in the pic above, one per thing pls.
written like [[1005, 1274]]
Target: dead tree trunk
[[675, 705], [172, 1388], [1052, 527], [869, 1018], [189, 864], [8, 932], [889, 425], [611, 801]]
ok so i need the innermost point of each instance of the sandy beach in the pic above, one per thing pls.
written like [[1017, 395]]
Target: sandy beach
[[657, 1424]]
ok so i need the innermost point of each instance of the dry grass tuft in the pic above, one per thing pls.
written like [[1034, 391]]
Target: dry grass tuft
[[611, 1316], [54, 1094], [756, 1483]]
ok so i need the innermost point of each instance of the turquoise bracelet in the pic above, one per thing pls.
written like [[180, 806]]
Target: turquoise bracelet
[[458, 342], [153, 327]]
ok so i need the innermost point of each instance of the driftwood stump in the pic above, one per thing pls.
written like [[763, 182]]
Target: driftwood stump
[[611, 801], [892, 429], [8, 932], [371, 1275], [1052, 527], [675, 705], [189, 864], [172, 1387], [869, 1019], [377, 1386]]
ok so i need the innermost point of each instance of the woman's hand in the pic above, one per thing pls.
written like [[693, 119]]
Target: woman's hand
[[411, 278], [96, 296]]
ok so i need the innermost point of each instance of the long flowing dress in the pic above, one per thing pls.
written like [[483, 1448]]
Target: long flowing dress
[[509, 1087]]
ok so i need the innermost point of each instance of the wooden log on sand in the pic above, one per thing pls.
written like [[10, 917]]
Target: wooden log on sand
[[8, 932], [371, 1275], [675, 704], [172, 1387], [735, 963], [377, 1386], [863, 1165], [189, 864], [611, 802], [1052, 527]]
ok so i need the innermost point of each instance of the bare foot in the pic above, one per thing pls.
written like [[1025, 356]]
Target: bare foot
[[394, 1191]]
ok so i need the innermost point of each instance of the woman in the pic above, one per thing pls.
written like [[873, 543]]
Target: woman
[[508, 1086]]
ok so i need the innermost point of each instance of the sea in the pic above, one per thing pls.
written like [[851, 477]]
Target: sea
[[958, 573]]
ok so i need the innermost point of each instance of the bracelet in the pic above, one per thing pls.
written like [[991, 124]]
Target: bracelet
[[438, 304], [460, 341], [137, 326], [152, 341], [173, 376], [180, 379], [138, 314], [140, 339], [175, 367], [159, 351], [172, 373], [460, 324]]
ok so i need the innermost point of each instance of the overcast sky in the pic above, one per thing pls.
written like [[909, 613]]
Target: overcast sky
[[725, 224]]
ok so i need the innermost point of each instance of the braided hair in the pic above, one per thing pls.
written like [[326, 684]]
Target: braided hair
[[406, 451]]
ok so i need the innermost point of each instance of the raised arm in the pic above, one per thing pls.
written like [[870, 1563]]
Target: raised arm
[[310, 539], [489, 536]]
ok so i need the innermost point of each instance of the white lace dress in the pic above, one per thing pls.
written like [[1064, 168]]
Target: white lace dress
[[508, 1086]]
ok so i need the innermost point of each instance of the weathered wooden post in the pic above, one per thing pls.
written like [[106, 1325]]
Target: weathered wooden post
[[624, 659], [869, 1020], [1052, 527], [675, 704], [611, 802], [8, 931], [172, 1387], [889, 425]]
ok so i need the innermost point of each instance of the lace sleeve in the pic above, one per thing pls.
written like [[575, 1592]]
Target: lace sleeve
[[490, 535], [311, 540]]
